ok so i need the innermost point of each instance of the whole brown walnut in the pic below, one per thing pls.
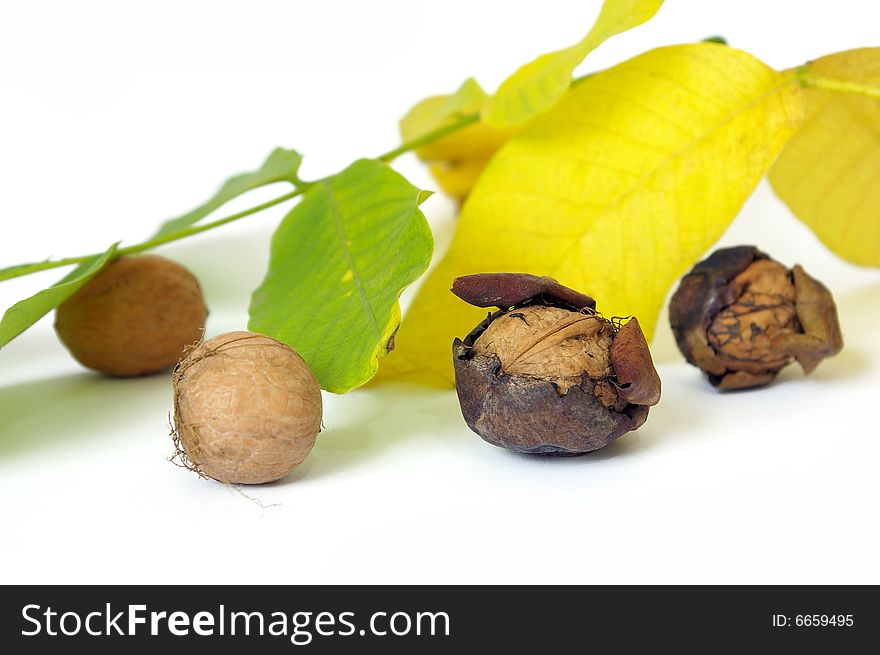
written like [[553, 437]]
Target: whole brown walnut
[[247, 409], [545, 373], [133, 318], [741, 317]]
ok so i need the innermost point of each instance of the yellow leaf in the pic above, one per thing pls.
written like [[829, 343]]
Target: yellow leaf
[[457, 177], [437, 111], [457, 159], [541, 83], [616, 192], [829, 173]]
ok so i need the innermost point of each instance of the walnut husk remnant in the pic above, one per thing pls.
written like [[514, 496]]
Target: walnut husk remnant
[[505, 290], [741, 318], [545, 373], [247, 409], [133, 318]]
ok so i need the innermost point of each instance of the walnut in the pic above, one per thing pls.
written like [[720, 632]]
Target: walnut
[[550, 343], [546, 374], [247, 409], [133, 318], [742, 317]]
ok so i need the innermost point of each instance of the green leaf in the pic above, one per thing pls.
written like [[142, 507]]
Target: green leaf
[[25, 313], [281, 166], [541, 83], [339, 261]]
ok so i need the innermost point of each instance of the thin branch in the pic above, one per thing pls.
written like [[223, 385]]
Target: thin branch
[[810, 80], [27, 269], [429, 137]]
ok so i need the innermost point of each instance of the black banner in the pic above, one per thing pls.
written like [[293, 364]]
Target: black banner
[[434, 619]]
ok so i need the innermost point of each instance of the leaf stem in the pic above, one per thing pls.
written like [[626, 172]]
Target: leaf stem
[[156, 241], [36, 267], [429, 137], [204, 227], [810, 80]]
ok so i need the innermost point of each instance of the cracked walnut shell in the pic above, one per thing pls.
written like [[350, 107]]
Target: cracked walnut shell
[[741, 317], [545, 373]]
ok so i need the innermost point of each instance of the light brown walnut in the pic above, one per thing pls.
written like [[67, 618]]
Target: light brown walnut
[[247, 409], [553, 344]]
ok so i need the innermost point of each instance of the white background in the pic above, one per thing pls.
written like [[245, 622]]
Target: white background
[[115, 116]]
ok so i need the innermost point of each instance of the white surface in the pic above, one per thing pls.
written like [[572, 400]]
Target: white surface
[[114, 117]]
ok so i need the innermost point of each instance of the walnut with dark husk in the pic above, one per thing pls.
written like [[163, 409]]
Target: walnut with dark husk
[[545, 373], [741, 317]]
